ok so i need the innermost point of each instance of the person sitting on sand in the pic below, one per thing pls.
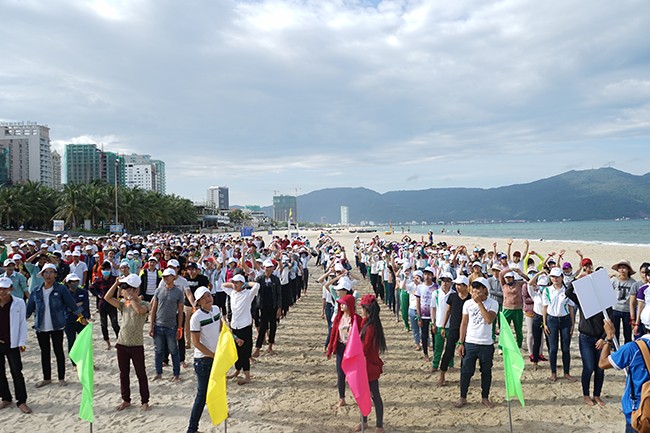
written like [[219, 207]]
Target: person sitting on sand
[[130, 341], [476, 341]]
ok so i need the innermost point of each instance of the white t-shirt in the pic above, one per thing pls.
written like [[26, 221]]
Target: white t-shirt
[[151, 282], [411, 288], [240, 303], [209, 325], [425, 294], [328, 296], [478, 330], [47, 314], [79, 270], [439, 301]]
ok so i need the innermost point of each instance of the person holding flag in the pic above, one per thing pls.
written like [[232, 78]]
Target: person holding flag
[[374, 344], [341, 326], [205, 328], [476, 341]]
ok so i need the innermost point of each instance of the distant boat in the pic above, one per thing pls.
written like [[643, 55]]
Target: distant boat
[[363, 230]]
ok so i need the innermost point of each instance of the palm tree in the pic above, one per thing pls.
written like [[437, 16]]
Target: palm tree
[[71, 204]]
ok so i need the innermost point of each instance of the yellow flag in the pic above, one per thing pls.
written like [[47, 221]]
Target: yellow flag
[[224, 357], [290, 212]]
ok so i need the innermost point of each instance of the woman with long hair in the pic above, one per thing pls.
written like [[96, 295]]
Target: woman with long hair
[[341, 326], [374, 344]]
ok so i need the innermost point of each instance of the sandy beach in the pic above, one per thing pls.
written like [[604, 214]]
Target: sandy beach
[[294, 390]]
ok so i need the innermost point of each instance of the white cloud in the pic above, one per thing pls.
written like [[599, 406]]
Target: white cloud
[[277, 94]]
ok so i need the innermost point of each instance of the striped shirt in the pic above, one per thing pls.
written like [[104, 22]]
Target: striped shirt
[[556, 302]]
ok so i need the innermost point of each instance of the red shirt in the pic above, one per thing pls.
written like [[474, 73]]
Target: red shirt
[[374, 364]]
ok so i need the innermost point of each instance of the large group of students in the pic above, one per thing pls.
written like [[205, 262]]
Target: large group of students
[[448, 298], [185, 287]]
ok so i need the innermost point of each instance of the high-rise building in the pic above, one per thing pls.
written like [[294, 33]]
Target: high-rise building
[[56, 170], [145, 173], [218, 196], [159, 177], [285, 207], [345, 215], [28, 146], [86, 163]]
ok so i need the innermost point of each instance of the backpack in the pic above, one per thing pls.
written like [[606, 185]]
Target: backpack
[[641, 416]]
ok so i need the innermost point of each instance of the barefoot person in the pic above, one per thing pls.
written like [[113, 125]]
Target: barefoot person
[[339, 338], [374, 344], [130, 341], [242, 295], [13, 337], [205, 327], [591, 341], [454, 317], [50, 301], [476, 341]]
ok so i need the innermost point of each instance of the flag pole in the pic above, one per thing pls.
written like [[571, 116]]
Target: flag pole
[[225, 426], [361, 419], [510, 415], [91, 427]]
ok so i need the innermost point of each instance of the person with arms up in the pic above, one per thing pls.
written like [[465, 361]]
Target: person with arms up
[[242, 295], [476, 341], [130, 341], [558, 318]]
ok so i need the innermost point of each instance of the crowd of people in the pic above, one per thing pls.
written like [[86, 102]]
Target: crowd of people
[[448, 298], [185, 287]]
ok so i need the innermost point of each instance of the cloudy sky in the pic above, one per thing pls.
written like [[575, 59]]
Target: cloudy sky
[[287, 96]]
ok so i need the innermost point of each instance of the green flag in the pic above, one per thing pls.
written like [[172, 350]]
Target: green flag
[[82, 355], [513, 363]]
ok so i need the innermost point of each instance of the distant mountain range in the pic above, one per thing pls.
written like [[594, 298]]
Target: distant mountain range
[[604, 193]]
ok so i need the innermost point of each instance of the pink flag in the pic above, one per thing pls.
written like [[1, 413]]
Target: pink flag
[[354, 367]]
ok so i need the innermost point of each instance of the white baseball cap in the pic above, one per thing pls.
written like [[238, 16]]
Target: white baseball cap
[[132, 280], [238, 277], [200, 292], [461, 279]]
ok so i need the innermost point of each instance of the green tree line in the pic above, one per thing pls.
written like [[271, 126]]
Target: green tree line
[[34, 206]]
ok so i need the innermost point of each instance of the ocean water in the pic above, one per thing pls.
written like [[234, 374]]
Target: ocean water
[[630, 232]]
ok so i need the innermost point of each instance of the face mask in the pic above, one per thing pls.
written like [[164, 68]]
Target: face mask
[[73, 285], [106, 273]]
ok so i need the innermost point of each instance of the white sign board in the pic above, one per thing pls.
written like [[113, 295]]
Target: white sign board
[[595, 293], [58, 225]]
